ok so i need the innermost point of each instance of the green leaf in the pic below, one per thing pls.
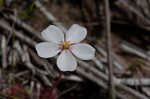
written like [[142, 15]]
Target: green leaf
[[1, 2], [25, 14], [27, 89], [31, 7]]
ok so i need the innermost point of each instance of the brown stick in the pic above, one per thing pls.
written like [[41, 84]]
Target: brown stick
[[19, 35], [4, 52], [25, 26], [109, 49], [105, 78], [123, 4], [99, 82], [49, 15], [130, 48], [135, 81]]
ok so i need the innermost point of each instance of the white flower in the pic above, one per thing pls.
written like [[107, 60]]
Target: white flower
[[66, 46]]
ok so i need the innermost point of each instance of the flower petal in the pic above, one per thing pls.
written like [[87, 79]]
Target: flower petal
[[66, 61], [83, 51], [53, 34], [47, 49], [76, 33]]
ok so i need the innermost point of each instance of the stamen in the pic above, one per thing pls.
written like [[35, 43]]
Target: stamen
[[66, 44]]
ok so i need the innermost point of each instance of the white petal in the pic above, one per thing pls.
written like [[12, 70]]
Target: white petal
[[76, 33], [83, 51], [47, 49], [66, 61], [53, 34]]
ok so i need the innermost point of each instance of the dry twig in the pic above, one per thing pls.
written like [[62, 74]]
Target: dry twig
[[109, 50]]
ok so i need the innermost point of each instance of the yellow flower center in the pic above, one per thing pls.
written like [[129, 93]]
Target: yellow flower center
[[66, 44]]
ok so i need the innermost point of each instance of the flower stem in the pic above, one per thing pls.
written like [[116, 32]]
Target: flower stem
[[58, 80], [53, 90]]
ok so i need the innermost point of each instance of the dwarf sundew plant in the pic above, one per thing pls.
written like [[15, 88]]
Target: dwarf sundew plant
[[66, 46]]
